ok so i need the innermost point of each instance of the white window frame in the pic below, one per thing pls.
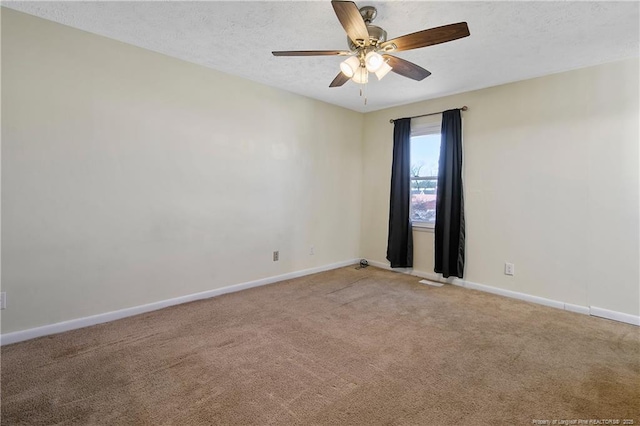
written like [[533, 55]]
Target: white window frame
[[422, 127]]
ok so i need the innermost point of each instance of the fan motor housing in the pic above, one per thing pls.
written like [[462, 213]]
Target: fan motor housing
[[376, 36]]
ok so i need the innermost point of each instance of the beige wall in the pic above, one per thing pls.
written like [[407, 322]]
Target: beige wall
[[551, 185], [129, 177]]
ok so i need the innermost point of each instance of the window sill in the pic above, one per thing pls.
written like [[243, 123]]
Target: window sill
[[422, 227]]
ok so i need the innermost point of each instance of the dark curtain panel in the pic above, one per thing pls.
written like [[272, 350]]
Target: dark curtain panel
[[400, 242], [449, 230]]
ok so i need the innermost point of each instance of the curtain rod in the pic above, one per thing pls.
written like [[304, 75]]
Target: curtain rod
[[464, 108]]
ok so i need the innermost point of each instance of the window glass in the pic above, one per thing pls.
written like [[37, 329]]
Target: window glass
[[425, 153]]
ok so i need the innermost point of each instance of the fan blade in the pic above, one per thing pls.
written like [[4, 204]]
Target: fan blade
[[311, 53], [351, 20], [429, 37], [406, 68], [339, 80]]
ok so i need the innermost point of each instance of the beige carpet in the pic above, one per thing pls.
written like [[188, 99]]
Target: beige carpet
[[341, 347]]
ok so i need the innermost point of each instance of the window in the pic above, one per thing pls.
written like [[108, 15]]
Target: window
[[425, 153]]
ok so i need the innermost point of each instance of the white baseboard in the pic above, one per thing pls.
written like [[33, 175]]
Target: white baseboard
[[616, 316], [32, 333], [585, 310]]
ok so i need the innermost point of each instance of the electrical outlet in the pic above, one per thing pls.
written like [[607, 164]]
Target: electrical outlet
[[311, 251], [276, 256], [509, 269], [3, 300]]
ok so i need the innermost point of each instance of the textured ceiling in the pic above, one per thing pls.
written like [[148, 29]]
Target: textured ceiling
[[509, 41]]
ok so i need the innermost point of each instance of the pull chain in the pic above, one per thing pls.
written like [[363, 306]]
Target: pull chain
[[363, 91]]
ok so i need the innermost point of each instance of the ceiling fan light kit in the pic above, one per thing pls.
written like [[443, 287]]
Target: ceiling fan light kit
[[383, 70], [350, 66], [366, 43], [373, 61], [361, 76]]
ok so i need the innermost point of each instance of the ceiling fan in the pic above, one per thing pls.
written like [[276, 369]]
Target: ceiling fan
[[366, 41]]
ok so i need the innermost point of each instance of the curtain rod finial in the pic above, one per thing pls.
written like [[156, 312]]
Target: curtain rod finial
[[464, 108], [391, 121]]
